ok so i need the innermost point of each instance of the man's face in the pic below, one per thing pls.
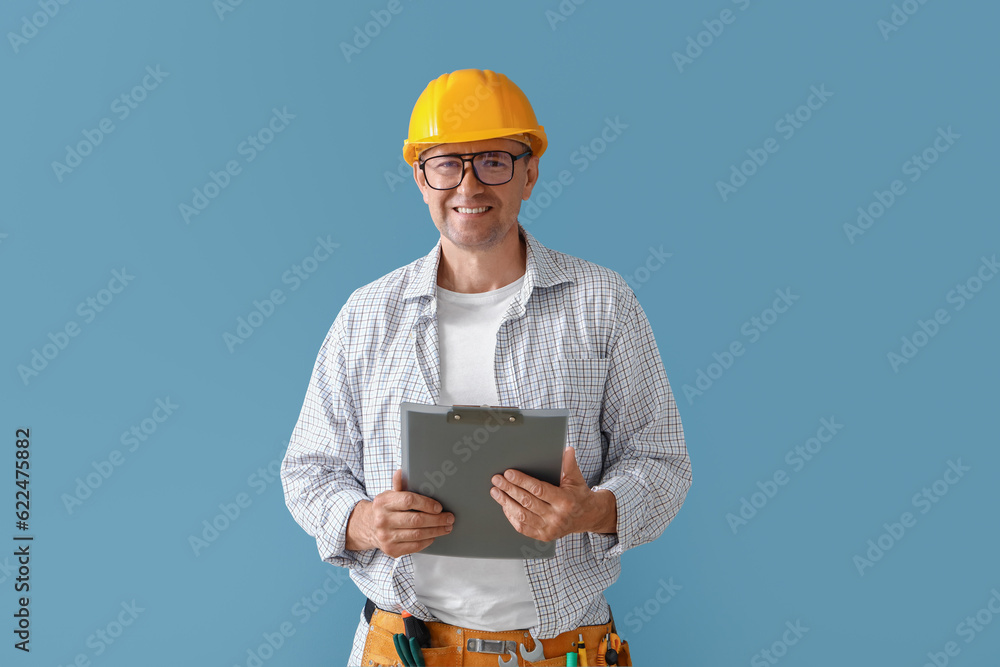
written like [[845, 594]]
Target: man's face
[[502, 202]]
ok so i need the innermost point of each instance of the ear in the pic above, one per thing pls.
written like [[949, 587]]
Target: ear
[[531, 178], [418, 178]]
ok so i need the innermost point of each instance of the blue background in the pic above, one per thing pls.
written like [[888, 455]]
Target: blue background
[[331, 173]]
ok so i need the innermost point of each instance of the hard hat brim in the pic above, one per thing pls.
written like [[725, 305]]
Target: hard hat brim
[[538, 140]]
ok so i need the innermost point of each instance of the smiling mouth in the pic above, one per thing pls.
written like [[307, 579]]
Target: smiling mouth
[[472, 211]]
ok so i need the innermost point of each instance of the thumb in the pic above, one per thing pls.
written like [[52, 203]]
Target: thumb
[[397, 480], [570, 470]]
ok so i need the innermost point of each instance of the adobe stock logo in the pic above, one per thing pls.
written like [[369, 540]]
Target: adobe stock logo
[[230, 512], [714, 28], [122, 107], [779, 648], [60, 340], [926, 330], [753, 329], [464, 449], [915, 167], [924, 500], [250, 148], [797, 457], [105, 636], [642, 273], [303, 610], [454, 117], [787, 126], [223, 7], [381, 18], [264, 309], [106, 467], [584, 156], [37, 21], [566, 8], [968, 630], [640, 615], [899, 17]]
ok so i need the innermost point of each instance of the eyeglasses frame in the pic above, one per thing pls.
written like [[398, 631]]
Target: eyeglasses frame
[[464, 157]]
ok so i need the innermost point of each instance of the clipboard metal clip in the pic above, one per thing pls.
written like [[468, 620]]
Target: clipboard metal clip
[[484, 414]]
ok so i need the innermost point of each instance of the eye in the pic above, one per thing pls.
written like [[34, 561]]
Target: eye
[[495, 160], [445, 163]]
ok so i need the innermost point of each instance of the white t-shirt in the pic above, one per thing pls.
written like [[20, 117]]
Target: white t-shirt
[[480, 593]]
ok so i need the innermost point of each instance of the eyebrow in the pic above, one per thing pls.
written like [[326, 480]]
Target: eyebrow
[[512, 151]]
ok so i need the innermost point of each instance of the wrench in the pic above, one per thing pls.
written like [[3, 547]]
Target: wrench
[[533, 656], [507, 663]]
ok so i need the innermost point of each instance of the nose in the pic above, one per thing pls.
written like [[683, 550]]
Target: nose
[[470, 185]]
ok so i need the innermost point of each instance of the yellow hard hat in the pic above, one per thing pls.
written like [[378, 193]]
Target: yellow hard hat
[[469, 105]]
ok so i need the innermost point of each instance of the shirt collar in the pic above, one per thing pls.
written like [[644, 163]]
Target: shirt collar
[[541, 270]]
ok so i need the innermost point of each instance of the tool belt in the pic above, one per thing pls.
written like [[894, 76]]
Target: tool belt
[[453, 646]]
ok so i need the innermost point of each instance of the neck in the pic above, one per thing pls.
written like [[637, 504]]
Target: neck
[[470, 271]]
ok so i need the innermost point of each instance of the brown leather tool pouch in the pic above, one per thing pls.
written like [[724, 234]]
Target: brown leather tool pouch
[[380, 651], [624, 656], [451, 650]]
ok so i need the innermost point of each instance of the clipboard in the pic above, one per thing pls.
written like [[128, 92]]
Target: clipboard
[[451, 452]]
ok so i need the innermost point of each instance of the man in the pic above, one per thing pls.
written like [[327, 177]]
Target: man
[[489, 316]]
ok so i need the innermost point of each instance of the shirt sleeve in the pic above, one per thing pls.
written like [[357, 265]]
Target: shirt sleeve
[[323, 470], [647, 466]]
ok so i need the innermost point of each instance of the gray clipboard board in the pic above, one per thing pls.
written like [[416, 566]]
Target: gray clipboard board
[[451, 452]]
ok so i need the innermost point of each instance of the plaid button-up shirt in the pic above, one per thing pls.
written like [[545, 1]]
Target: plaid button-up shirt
[[573, 337]]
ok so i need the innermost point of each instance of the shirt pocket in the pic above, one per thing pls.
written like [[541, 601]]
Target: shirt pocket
[[583, 381]]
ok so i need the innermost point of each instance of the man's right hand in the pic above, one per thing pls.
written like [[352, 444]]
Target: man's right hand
[[398, 522]]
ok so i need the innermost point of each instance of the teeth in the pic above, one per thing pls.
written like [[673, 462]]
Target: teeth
[[481, 209]]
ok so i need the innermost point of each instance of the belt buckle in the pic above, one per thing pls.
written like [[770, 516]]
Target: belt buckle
[[494, 646]]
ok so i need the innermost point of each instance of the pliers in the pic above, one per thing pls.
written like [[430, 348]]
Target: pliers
[[408, 650], [408, 645]]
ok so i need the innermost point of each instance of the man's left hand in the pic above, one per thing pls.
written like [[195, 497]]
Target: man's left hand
[[545, 512]]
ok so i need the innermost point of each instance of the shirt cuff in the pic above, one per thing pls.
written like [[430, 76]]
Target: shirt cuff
[[332, 544], [631, 508]]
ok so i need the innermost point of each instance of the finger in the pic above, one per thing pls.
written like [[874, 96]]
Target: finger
[[410, 520], [414, 547], [521, 518], [570, 468], [414, 527], [397, 480], [516, 478], [417, 534], [397, 550], [400, 501], [524, 497], [392, 538]]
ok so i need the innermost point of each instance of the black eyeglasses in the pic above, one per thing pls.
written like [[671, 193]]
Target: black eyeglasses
[[445, 172]]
